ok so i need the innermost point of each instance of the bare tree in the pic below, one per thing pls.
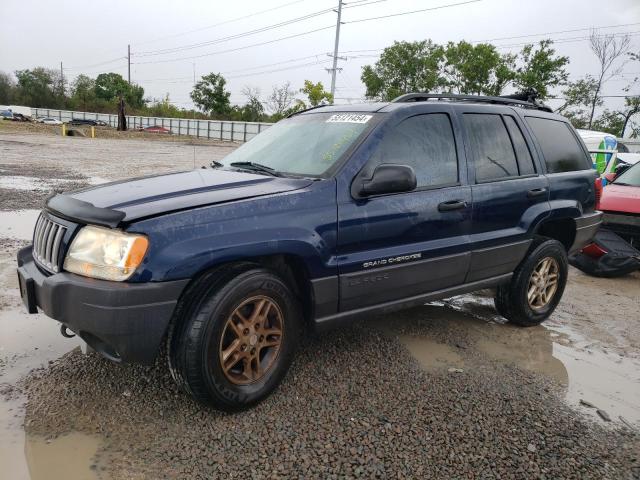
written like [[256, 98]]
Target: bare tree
[[253, 110], [608, 49], [281, 98]]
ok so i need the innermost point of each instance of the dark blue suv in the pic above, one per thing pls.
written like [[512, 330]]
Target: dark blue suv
[[335, 213]]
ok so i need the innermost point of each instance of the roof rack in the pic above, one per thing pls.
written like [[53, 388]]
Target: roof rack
[[526, 99], [307, 109]]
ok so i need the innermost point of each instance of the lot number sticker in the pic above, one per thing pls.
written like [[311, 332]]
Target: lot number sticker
[[349, 118]]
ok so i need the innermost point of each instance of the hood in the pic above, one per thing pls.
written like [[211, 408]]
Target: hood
[[629, 158], [620, 198], [149, 196]]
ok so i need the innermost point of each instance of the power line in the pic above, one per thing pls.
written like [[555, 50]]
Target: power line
[[233, 37], [236, 49], [293, 67], [573, 39], [227, 76], [225, 22], [514, 37], [556, 32], [80, 67], [413, 11], [361, 3]]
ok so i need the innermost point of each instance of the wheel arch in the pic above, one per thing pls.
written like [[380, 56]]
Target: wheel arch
[[562, 229], [291, 268]]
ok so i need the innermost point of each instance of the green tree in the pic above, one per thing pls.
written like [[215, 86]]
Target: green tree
[[316, 93], [253, 110], [578, 97], [39, 87], [540, 69], [476, 70], [210, 95], [110, 86], [83, 93], [404, 67], [616, 122], [7, 88]]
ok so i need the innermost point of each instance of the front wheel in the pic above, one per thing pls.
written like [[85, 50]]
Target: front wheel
[[236, 344], [537, 285]]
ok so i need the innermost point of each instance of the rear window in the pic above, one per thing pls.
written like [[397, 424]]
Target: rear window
[[495, 157], [561, 150]]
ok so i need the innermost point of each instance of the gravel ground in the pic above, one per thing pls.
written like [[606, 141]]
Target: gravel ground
[[355, 404], [358, 402]]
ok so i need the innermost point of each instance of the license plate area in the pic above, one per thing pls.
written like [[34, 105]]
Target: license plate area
[[27, 291]]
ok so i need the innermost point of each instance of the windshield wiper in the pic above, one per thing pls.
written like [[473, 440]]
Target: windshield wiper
[[256, 167]]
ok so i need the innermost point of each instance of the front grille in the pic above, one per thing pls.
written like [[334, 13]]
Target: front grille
[[47, 239]]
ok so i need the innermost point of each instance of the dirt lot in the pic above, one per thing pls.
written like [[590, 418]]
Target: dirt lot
[[446, 390]]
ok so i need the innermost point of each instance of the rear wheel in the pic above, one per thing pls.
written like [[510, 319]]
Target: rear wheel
[[537, 285], [235, 345]]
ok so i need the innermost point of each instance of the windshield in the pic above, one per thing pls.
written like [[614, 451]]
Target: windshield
[[630, 177], [306, 145]]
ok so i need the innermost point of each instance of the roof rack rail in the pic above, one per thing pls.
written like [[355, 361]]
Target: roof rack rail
[[526, 99], [307, 109]]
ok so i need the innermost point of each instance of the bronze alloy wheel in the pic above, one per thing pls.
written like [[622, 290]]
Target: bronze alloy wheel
[[251, 340], [543, 283]]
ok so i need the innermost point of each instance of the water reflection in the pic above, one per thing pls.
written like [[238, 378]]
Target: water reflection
[[67, 457], [607, 380]]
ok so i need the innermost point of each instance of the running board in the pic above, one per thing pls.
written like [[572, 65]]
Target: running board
[[395, 305]]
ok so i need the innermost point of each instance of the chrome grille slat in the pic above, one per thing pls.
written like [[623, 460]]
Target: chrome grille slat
[[45, 237], [56, 246], [50, 236], [47, 240]]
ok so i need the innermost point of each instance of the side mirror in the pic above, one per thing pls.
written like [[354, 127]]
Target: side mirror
[[387, 178]]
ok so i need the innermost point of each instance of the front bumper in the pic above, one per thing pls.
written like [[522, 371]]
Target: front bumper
[[586, 228], [125, 322]]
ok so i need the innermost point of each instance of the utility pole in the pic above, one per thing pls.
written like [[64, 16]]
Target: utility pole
[[334, 70], [129, 64], [61, 80]]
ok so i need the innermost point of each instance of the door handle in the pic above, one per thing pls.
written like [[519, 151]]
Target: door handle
[[451, 205], [536, 192]]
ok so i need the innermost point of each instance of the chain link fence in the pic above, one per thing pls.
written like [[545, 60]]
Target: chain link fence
[[211, 129]]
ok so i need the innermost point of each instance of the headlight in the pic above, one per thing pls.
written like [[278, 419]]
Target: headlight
[[104, 253]]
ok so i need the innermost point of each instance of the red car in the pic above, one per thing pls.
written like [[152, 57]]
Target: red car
[[156, 129], [614, 251]]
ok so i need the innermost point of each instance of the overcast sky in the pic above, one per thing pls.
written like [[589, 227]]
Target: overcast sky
[[92, 37]]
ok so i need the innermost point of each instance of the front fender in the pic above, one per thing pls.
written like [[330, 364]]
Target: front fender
[[300, 223]]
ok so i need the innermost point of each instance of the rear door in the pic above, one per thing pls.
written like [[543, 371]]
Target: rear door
[[568, 165], [400, 245], [509, 191]]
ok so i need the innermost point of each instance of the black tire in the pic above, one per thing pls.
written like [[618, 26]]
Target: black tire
[[511, 299], [196, 338]]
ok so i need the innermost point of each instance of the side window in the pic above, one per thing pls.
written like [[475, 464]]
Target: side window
[[424, 142], [490, 142], [561, 150], [525, 161]]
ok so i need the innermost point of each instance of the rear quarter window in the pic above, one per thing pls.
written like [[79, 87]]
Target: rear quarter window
[[562, 151]]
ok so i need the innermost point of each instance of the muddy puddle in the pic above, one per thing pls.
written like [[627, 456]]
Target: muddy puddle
[[67, 457], [18, 224], [27, 342], [606, 380]]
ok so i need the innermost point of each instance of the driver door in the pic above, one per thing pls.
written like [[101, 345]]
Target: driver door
[[401, 245]]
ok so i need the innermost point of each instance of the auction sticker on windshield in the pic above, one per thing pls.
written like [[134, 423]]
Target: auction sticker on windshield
[[349, 118]]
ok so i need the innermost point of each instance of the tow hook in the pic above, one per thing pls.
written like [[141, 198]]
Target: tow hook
[[64, 331]]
